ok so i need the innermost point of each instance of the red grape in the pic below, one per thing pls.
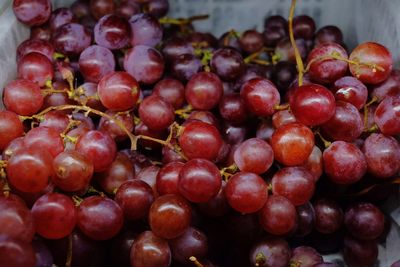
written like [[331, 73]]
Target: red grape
[[204, 90], [387, 115], [233, 109], [72, 39], [251, 41], [115, 131], [192, 243], [270, 252], [112, 32], [54, 215], [359, 253], [303, 27], [351, 90], [45, 138], [246, 192], [32, 12], [390, 87], [172, 91], [15, 253], [227, 63], [328, 216], [61, 16], [108, 218], [156, 113], [305, 219], [167, 178], [35, 45], [314, 163], [100, 8], [328, 34], [10, 128], [146, 30], [305, 256], [35, 67], [95, 62]]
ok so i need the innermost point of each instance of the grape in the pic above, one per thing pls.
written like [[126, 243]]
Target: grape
[[10, 128], [344, 163], [278, 216], [204, 90], [35, 67], [345, 125], [204, 116], [251, 41], [61, 16], [80, 9], [232, 108], [175, 47], [294, 183], [35, 45], [200, 140], [303, 27], [118, 91], [158, 8], [32, 12], [15, 253], [276, 21], [120, 171], [13, 146], [121, 248], [112, 32], [16, 219], [29, 169], [45, 138], [95, 62], [283, 74], [135, 198], [312, 104], [100, 8], [351, 90], [216, 206], [270, 252], [144, 63], [199, 180], [72, 171], [260, 96], [359, 253], [108, 214], [292, 144], [395, 264], [167, 178], [169, 216], [156, 113], [364, 221], [192, 242], [314, 163], [227, 63], [323, 69], [54, 215], [265, 131], [285, 50], [273, 34], [389, 87], [42, 32], [115, 131], [171, 91], [305, 256], [246, 192], [252, 71], [328, 34], [56, 120], [42, 253], [382, 154], [185, 66], [142, 129], [127, 9], [387, 115], [328, 216], [254, 155], [305, 219], [72, 39], [150, 250], [228, 40], [149, 175], [146, 30], [98, 147]]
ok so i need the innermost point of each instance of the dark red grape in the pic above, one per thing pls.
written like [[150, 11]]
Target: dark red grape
[[175, 47], [158, 8], [199, 180], [185, 66], [251, 41], [273, 34], [150, 250], [135, 198], [359, 253], [278, 216], [305, 219], [283, 74], [227, 63], [192, 243], [312, 104], [344, 163], [144, 63], [254, 155], [387, 115], [294, 183], [204, 90], [170, 216], [328, 34], [127, 9], [305, 257], [379, 62], [246, 192], [118, 91], [115, 131], [149, 175], [15, 253], [172, 91], [100, 8], [80, 8], [146, 30], [352, 90], [270, 252], [390, 87], [42, 253], [108, 214], [29, 169], [303, 27], [156, 113], [168, 177], [35, 45], [72, 39], [285, 51], [32, 12], [314, 163], [364, 221], [216, 206], [42, 32], [345, 125], [61, 16], [260, 96], [112, 32], [232, 108], [54, 215], [324, 69], [292, 144], [328, 216], [200, 140]]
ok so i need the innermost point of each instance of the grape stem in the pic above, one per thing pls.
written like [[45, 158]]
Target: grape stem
[[366, 106], [282, 107], [68, 260], [260, 259], [254, 58], [182, 21], [195, 261], [227, 172], [231, 33], [326, 142], [369, 188], [299, 61], [184, 112]]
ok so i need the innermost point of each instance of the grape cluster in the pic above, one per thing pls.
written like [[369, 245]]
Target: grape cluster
[[130, 139]]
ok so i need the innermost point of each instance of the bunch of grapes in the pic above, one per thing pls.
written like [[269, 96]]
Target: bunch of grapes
[[130, 139]]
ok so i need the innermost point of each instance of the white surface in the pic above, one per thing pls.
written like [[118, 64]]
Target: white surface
[[360, 20]]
